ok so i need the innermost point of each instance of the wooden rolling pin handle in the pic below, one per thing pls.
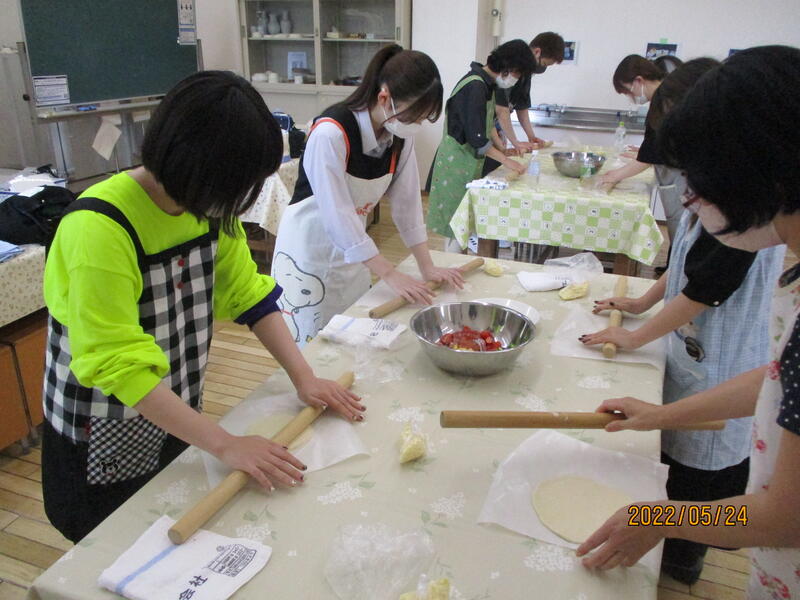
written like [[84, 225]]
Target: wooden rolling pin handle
[[543, 420], [392, 305], [201, 512]]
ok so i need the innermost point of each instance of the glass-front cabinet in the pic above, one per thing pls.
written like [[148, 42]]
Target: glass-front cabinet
[[303, 55]]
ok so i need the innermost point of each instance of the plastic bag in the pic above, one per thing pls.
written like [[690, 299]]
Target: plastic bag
[[578, 268], [374, 562]]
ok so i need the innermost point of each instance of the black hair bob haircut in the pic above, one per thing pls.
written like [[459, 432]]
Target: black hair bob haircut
[[211, 143], [551, 44], [736, 134], [675, 86], [515, 55], [409, 75]]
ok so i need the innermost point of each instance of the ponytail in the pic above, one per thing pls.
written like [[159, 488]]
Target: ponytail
[[410, 76]]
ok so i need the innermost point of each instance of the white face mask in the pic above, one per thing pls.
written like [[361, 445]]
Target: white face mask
[[752, 240], [506, 82], [397, 127], [639, 99]]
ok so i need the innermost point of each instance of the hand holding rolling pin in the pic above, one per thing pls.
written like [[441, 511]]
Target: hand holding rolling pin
[[639, 416]]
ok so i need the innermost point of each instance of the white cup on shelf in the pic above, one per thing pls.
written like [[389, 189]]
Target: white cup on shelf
[[298, 79]]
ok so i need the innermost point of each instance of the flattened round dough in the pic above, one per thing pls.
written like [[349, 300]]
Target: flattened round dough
[[272, 424], [575, 507]]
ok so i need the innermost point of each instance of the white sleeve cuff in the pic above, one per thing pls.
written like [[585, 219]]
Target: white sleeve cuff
[[414, 236], [361, 252]]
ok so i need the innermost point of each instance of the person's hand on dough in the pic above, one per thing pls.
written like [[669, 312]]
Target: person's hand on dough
[[617, 543], [634, 306], [611, 177], [325, 393], [621, 337], [639, 416]]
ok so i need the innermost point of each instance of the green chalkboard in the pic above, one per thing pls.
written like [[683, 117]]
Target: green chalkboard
[[108, 49]]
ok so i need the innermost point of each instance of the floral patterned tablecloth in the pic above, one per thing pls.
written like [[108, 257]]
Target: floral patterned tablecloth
[[274, 197], [21, 280], [441, 493], [558, 212]]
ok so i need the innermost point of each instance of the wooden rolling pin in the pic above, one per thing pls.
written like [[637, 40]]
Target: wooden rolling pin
[[615, 318], [214, 500], [392, 305], [500, 419]]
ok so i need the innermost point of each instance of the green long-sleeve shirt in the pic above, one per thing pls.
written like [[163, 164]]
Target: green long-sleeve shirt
[[92, 284]]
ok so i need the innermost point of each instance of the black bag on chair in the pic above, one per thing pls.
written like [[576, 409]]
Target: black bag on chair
[[33, 219]]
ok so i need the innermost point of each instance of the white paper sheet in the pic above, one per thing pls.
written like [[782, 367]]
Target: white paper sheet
[[106, 139], [334, 439], [547, 455], [113, 118], [141, 115], [579, 321]]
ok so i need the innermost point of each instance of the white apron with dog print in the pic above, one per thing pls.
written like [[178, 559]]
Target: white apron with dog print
[[317, 282]]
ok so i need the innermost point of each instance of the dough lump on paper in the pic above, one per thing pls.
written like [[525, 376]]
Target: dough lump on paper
[[575, 507]]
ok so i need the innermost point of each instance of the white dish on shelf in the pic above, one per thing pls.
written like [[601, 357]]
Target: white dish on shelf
[[520, 307]]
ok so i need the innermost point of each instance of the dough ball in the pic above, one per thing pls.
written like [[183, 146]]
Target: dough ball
[[575, 507], [272, 424], [412, 445], [492, 267], [574, 291]]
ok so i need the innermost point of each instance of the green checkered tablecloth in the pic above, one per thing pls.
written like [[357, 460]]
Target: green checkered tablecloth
[[558, 212]]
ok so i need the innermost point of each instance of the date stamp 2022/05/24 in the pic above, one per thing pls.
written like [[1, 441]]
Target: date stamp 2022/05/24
[[702, 515]]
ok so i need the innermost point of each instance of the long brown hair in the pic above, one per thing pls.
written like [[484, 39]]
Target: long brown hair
[[410, 76]]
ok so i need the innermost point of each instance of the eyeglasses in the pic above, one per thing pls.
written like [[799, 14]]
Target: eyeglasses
[[694, 349]]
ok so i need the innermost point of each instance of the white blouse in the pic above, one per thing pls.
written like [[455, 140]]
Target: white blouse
[[324, 162]]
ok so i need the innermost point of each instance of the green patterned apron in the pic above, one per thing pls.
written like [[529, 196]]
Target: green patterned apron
[[454, 167]]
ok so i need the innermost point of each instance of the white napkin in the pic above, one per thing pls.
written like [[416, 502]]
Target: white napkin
[[548, 455], [488, 184], [542, 282], [378, 333], [580, 321], [208, 566]]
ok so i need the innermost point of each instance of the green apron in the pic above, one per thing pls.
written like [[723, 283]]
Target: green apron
[[454, 167]]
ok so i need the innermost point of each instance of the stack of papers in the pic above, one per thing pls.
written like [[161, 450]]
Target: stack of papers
[[8, 251]]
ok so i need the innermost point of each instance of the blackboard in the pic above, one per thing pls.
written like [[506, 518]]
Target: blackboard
[[108, 49]]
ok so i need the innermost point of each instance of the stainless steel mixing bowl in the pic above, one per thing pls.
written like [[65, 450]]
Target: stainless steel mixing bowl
[[570, 163], [508, 326]]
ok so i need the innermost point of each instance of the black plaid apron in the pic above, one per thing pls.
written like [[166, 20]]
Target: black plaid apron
[[175, 307]]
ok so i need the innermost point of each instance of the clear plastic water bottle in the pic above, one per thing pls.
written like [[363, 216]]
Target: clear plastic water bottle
[[533, 173], [587, 170], [619, 137]]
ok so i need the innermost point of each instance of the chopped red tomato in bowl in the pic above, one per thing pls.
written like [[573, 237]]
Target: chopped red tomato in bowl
[[470, 339]]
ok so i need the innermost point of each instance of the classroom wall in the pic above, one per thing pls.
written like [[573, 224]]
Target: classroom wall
[[608, 31], [447, 30], [218, 30], [10, 23]]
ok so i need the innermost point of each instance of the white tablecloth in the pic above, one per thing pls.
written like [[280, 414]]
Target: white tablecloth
[[274, 197]]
